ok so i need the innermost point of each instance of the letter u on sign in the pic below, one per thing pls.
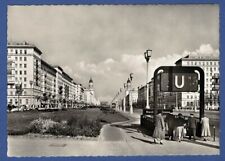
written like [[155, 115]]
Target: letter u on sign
[[181, 85]]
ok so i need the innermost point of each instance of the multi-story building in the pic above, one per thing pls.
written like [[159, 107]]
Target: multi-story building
[[39, 81], [48, 81], [210, 65], [24, 68]]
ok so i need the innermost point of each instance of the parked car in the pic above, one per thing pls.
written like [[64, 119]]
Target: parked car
[[16, 109]]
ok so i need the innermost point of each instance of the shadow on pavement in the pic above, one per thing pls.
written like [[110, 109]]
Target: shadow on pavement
[[202, 143], [146, 141], [133, 128]]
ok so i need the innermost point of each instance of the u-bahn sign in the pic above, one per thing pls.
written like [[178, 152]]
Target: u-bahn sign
[[179, 79], [178, 82]]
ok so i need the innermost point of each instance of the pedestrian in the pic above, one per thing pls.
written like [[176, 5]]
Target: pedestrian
[[205, 128], [170, 120], [192, 123], [179, 130], [159, 131]]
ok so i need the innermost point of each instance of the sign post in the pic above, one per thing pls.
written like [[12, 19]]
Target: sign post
[[179, 79]]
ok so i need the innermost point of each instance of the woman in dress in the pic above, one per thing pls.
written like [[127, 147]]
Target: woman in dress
[[159, 131], [205, 128]]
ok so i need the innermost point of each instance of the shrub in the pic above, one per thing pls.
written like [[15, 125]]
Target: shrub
[[71, 127], [42, 125]]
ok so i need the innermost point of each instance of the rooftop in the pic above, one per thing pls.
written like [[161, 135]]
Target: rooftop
[[23, 45]]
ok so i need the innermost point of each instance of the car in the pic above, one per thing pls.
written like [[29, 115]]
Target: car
[[15, 109]]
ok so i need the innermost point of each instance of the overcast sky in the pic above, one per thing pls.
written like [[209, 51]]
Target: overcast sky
[[108, 42]]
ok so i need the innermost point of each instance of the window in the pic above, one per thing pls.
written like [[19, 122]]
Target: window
[[11, 92], [16, 51], [16, 58], [25, 79], [26, 101], [25, 72], [25, 58], [20, 65], [25, 51], [21, 51], [20, 72], [16, 65], [20, 58], [25, 65], [16, 72], [16, 79], [25, 85]]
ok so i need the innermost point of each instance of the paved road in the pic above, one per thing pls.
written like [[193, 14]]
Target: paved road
[[120, 139]]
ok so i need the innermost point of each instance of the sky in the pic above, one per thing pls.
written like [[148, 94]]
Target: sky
[[107, 42]]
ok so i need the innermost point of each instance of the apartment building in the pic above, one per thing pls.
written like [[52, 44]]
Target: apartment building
[[210, 66], [38, 80]]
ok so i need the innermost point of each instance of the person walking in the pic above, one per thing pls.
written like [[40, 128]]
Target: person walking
[[192, 123], [159, 131], [205, 128], [179, 128], [170, 120]]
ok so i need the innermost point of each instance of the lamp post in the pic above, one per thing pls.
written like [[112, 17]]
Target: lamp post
[[131, 99], [147, 55], [129, 92], [124, 99]]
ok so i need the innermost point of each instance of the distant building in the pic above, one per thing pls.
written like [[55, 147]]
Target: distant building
[[210, 65], [90, 96], [142, 95]]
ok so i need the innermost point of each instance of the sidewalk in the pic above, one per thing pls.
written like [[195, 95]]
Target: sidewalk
[[210, 143]]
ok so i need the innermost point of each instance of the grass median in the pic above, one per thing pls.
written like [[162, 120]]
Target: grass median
[[72, 122]]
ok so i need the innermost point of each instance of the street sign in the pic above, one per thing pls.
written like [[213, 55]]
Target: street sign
[[178, 82]]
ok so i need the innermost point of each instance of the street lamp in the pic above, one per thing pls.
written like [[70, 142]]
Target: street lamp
[[124, 99], [131, 99], [147, 54]]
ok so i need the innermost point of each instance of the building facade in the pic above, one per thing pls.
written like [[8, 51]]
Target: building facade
[[210, 66], [24, 69], [38, 81]]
